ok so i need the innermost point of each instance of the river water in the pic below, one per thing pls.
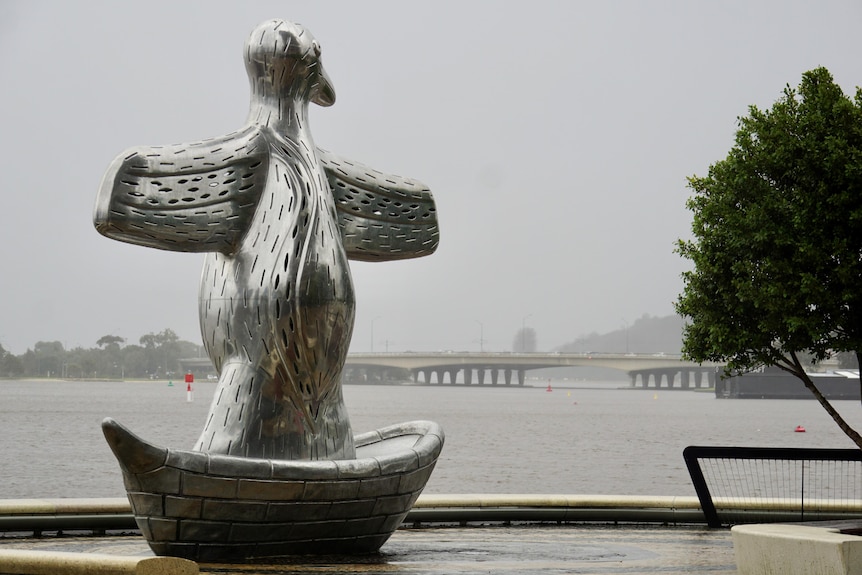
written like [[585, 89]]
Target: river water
[[579, 438]]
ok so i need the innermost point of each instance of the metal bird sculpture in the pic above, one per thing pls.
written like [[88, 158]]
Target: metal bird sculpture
[[278, 218]]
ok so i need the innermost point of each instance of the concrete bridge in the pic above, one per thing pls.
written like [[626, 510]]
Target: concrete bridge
[[648, 371]]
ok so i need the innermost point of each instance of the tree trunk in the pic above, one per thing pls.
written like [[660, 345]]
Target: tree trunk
[[859, 369], [799, 372]]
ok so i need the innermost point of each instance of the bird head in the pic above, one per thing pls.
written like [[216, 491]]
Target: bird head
[[284, 57]]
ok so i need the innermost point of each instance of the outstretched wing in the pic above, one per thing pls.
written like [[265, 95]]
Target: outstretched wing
[[196, 197], [382, 217]]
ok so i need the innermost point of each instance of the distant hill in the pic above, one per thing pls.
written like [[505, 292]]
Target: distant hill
[[646, 335]]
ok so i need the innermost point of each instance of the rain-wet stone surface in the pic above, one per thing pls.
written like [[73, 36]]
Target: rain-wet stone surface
[[531, 548]]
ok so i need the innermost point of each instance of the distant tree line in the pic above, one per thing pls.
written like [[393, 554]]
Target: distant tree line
[[155, 356]]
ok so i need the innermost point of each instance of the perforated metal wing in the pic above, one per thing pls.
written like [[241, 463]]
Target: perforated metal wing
[[195, 197], [381, 216]]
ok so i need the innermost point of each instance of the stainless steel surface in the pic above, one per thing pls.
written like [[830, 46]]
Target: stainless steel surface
[[279, 219]]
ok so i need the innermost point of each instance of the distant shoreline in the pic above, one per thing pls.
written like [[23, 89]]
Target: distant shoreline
[[91, 380]]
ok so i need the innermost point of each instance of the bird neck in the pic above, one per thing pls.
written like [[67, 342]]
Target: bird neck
[[282, 111]]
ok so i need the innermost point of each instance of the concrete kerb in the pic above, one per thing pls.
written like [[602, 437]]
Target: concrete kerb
[[80, 506], [565, 508], [29, 562], [40, 515], [115, 513], [764, 549]]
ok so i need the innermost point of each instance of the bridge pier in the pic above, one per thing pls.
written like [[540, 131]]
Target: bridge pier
[[666, 378], [669, 376], [709, 376]]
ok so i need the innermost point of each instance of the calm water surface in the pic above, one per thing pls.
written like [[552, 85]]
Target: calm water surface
[[583, 439]]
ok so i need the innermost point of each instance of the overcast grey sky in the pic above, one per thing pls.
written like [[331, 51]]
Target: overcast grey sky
[[556, 137]]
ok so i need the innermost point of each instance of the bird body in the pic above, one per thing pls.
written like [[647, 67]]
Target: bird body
[[278, 219]]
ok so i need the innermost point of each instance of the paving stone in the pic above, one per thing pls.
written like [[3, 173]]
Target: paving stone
[[298, 511], [222, 510], [414, 480], [202, 531], [331, 490], [146, 503], [391, 505], [204, 486], [260, 490], [162, 480], [239, 467], [379, 486], [183, 506], [351, 509], [528, 548]]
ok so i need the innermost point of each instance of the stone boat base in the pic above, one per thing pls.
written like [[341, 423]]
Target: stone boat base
[[209, 508]]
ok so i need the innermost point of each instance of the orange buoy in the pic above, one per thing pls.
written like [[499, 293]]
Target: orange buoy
[[799, 429]]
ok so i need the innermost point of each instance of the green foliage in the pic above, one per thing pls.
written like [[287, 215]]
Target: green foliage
[[777, 227], [777, 248], [166, 337], [109, 341]]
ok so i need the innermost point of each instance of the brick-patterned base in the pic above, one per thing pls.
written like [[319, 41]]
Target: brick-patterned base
[[220, 508]]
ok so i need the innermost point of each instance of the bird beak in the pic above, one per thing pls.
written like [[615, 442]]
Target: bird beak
[[324, 95]]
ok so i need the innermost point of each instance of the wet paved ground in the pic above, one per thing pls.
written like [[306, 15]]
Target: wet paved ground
[[588, 549]]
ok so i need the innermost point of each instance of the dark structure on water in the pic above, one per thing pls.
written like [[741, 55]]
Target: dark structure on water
[[773, 383]]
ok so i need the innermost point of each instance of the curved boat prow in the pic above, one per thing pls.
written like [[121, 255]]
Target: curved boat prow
[[134, 454]]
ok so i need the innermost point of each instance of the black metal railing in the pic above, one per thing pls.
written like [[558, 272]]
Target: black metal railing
[[768, 484]]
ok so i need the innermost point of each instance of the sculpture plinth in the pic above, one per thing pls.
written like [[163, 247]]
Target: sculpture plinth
[[277, 466]]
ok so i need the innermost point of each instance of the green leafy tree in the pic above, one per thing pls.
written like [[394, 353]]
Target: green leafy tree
[[162, 352], [11, 366], [777, 248], [47, 359], [135, 361], [110, 341]]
